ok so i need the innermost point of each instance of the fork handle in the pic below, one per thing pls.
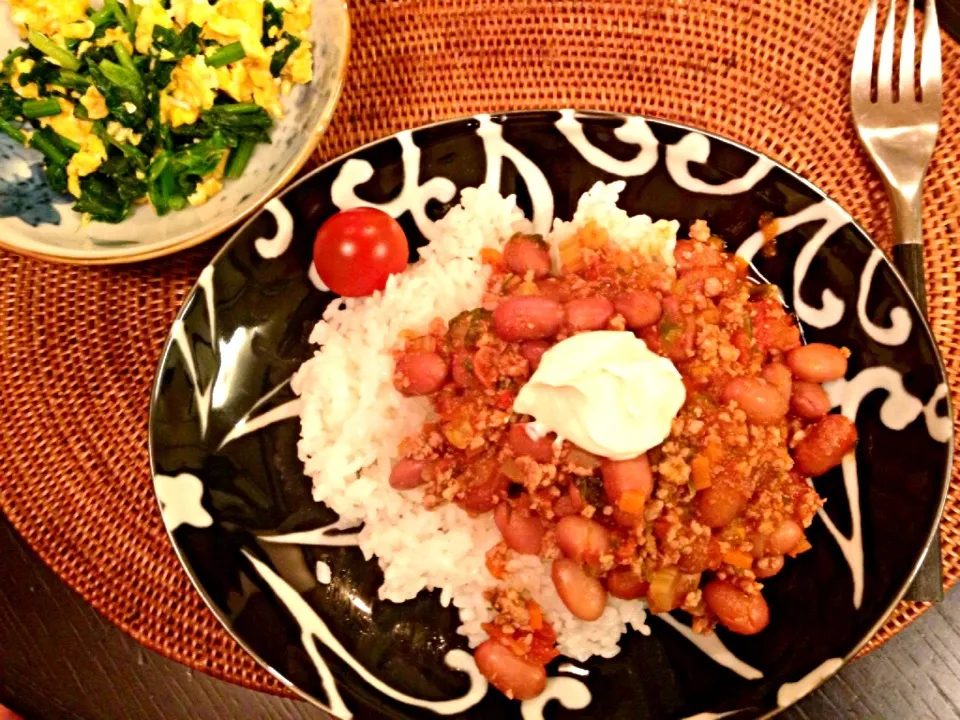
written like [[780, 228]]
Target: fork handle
[[908, 257], [927, 585]]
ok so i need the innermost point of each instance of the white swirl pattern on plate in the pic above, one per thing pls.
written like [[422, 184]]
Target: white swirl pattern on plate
[[181, 501], [314, 629]]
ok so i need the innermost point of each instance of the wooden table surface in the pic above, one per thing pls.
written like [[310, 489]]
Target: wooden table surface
[[60, 659]]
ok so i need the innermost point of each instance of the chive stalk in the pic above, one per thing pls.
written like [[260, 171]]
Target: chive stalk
[[123, 55], [57, 53], [120, 14], [44, 145], [240, 158], [15, 133], [226, 55], [41, 108]]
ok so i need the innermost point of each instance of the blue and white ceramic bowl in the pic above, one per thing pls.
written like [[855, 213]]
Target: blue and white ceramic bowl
[[38, 222]]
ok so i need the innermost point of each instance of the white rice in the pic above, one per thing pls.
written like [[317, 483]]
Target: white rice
[[353, 419]]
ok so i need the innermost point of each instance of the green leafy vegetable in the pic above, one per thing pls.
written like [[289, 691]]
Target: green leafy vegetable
[[281, 57], [178, 44]]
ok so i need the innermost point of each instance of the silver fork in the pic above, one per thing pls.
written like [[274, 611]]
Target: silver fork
[[900, 134]]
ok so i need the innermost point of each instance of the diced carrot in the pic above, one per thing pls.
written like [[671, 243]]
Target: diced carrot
[[593, 236], [571, 254], [536, 615], [495, 563], [738, 559], [491, 256], [632, 501], [700, 470], [714, 451], [528, 288]]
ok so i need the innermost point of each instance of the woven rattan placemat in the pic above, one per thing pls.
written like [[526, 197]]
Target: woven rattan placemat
[[78, 346]]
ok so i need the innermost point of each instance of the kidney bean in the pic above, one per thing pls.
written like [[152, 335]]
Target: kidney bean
[[523, 445], [533, 351], [817, 362], [461, 369], [640, 308], [762, 402], [778, 375], [590, 313], [419, 373], [768, 566], [621, 476], [530, 317], [737, 611], [824, 445], [625, 584], [785, 538], [719, 504], [809, 400], [407, 474], [698, 559], [521, 528], [525, 253], [510, 674], [583, 595], [582, 539]]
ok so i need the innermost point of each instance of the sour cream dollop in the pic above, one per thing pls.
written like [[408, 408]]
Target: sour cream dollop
[[605, 392]]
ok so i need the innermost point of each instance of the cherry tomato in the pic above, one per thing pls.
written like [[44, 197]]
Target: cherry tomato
[[356, 251]]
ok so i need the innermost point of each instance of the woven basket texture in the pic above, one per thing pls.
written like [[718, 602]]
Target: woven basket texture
[[78, 346]]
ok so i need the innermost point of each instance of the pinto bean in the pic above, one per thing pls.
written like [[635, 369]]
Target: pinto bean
[[824, 445], [718, 505], [590, 313], [523, 445], [737, 611], [640, 308], [762, 402], [622, 476], [817, 362], [530, 317], [525, 253], [583, 595], [512, 675], [533, 351], [809, 400], [407, 473], [778, 375], [785, 538], [521, 528], [582, 539], [625, 584], [419, 373]]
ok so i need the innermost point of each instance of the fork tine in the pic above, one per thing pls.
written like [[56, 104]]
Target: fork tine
[[930, 71], [885, 68], [863, 55], [908, 55]]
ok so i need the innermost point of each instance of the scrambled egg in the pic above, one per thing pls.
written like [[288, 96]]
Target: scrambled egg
[[192, 88], [193, 84], [92, 151], [95, 103], [151, 15], [51, 17], [22, 67]]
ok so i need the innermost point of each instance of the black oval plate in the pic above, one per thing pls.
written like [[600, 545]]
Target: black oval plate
[[223, 429]]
